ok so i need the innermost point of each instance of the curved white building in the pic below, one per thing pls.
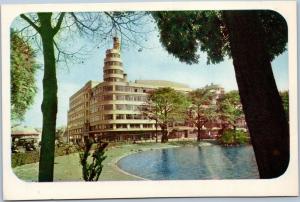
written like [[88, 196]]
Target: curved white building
[[110, 109]]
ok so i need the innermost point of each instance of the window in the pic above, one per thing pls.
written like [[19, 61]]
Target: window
[[120, 97], [108, 97], [137, 116], [108, 117], [108, 107], [129, 107], [117, 63], [120, 107], [129, 116], [107, 88], [120, 88], [108, 126], [120, 116], [147, 125], [121, 126], [134, 125], [128, 97]]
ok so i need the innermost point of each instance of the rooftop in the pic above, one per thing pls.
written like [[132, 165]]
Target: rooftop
[[24, 130], [162, 83]]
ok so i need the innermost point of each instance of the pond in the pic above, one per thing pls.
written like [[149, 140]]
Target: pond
[[193, 163]]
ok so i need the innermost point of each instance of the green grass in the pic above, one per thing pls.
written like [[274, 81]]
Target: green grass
[[68, 168]]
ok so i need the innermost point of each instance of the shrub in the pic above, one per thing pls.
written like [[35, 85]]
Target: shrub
[[19, 159], [91, 171], [231, 137]]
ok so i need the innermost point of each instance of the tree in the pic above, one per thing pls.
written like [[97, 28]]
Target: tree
[[166, 106], [252, 39], [230, 108], [202, 109], [23, 68], [49, 27], [285, 101], [230, 111]]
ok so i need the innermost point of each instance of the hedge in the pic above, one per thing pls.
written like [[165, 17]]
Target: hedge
[[19, 159]]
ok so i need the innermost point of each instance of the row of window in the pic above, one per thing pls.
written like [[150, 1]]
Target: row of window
[[130, 89], [76, 109], [76, 116], [113, 79], [116, 63], [94, 109], [131, 97], [118, 117], [113, 71], [118, 126], [77, 123], [79, 130], [108, 97], [127, 107], [113, 55], [119, 88]]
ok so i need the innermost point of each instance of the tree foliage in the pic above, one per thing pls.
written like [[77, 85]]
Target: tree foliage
[[166, 106], [285, 101], [23, 69], [232, 137], [230, 109], [184, 33], [203, 108]]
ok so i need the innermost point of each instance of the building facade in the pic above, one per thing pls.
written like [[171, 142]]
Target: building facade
[[111, 109]]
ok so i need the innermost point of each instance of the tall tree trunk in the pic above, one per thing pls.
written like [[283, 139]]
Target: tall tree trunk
[[264, 113], [164, 137], [49, 104]]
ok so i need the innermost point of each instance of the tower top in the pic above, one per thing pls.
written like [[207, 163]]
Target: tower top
[[117, 43]]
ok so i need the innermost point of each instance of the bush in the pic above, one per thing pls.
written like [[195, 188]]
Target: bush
[[91, 171], [19, 159], [231, 137]]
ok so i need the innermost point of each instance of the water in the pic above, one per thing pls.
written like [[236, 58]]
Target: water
[[192, 163]]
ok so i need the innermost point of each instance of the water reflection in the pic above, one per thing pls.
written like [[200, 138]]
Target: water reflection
[[211, 162]]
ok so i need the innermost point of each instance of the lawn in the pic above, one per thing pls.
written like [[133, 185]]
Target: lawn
[[68, 168]]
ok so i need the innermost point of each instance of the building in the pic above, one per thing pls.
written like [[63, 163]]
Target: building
[[22, 134], [110, 109]]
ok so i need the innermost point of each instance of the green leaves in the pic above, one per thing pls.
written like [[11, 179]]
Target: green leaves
[[285, 101], [23, 68], [184, 33], [203, 108], [91, 171], [230, 108]]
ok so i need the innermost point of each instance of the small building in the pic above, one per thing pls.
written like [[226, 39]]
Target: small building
[[24, 132]]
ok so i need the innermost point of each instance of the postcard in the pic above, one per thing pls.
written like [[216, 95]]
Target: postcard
[[172, 99]]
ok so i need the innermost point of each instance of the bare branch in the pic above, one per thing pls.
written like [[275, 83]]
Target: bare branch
[[58, 25], [30, 22], [82, 24]]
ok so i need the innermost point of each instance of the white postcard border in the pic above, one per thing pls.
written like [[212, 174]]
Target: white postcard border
[[285, 185]]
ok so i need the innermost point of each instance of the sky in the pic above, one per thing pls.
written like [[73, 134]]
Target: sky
[[153, 63]]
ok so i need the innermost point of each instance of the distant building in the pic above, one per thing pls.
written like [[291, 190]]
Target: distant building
[[110, 109], [24, 132]]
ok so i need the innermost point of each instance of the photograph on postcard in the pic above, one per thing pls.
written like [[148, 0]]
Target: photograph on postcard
[[149, 95]]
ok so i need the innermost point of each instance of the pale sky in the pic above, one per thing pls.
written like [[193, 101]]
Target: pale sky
[[154, 63]]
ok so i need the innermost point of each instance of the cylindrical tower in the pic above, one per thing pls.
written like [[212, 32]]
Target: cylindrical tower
[[113, 67]]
